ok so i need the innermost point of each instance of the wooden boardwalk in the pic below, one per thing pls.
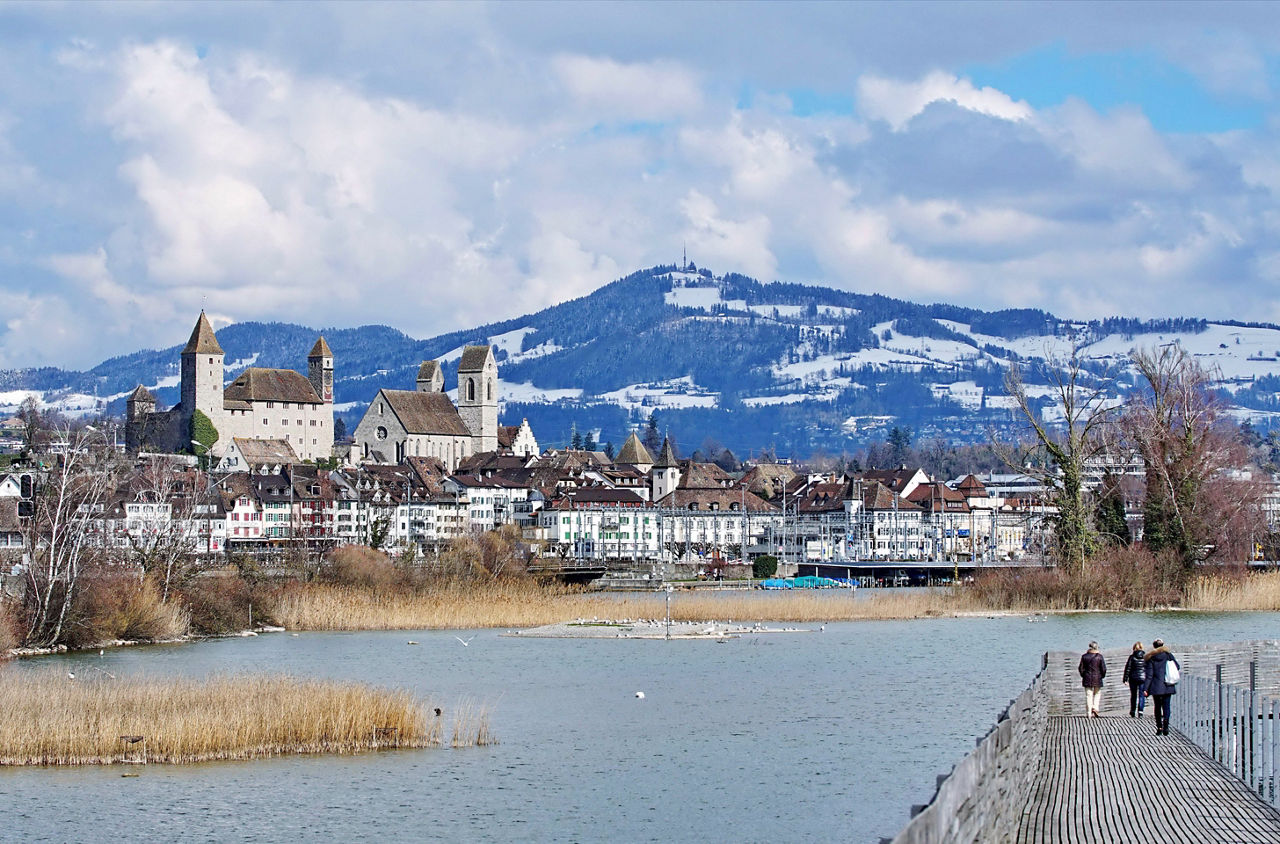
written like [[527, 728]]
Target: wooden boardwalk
[[1111, 779]]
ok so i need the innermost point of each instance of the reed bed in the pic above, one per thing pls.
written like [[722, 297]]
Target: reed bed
[[522, 604], [1226, 594], [51, 718]]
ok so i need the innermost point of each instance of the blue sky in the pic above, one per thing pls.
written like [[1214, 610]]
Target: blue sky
[[436, 166]]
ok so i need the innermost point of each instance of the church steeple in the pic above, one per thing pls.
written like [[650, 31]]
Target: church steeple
[[203, 341]]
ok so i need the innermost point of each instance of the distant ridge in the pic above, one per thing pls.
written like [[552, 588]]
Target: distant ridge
[[751, 365]]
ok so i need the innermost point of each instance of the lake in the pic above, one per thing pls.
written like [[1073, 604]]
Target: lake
[[825, 736]]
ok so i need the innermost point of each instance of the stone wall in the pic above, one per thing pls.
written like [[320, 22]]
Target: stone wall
[[981, 799]]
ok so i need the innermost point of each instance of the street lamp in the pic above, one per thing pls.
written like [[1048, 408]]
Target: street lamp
[[669, 590]]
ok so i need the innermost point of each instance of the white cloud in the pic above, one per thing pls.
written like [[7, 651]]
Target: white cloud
[[636, 91], [739, 245], [896, 102]]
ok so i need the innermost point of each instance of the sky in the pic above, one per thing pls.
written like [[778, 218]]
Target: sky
[[436, 166]]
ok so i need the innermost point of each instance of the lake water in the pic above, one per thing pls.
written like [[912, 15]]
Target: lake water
[[827, 736]]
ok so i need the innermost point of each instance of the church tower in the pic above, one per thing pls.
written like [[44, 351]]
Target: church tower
[[478, 396], [430, 377], [320, 370], [666, 472], [201, 377]]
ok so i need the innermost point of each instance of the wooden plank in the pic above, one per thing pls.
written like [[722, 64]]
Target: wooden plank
[[1098, 774]]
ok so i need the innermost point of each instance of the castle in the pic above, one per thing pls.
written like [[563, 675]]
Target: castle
[[261, 404]]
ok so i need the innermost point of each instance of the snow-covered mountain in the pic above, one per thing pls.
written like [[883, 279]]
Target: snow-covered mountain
[[750, 365]]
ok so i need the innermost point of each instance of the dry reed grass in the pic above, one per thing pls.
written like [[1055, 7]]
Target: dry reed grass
[[51, 719], [518, 603], [1225, 593], [526, 604]]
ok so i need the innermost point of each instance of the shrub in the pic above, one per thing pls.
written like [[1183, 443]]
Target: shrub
[[363, 567], [1121, 577], [766, 565], [219, 603], [10, 626], [121, 605]]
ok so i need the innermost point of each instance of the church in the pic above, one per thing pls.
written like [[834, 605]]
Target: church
[[424, 423], [260, 404]]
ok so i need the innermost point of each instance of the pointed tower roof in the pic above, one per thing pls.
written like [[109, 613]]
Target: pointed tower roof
[[202, 341], [320, 349], [634, 452], [429, 370], [667, 457], [141, 393], [474, 358]]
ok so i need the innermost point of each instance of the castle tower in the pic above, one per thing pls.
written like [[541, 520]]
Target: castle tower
[[666, 472], [320, 370], [201, 376], [138, 409], [430, 377], [478, 396]]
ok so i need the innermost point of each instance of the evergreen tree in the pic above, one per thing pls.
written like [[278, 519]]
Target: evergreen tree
[[589, 442], [576, 442], [339, 429], [652, 438], [1112, 525], [608, 450]]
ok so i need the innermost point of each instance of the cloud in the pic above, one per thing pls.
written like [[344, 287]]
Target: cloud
[[632, 91], [896, 102]]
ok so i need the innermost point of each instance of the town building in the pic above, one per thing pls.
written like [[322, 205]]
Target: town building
[[260, 403]]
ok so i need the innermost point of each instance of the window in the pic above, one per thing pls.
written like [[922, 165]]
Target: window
[[299, 421], [471, 389], [284, 421], [270, 405], [380, 433], [313, 423], [489, 391], [264, 420]]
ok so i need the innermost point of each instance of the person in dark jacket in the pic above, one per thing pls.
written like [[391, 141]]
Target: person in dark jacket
[[1135, 677], [1092, 669], [1158, 659]]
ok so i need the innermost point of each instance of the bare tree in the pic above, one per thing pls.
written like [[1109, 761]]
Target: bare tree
[[68, 504], [1196, 505], [1061, 449], [168, 546]]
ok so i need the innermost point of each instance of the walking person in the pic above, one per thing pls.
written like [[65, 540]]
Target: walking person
[[1161, 684], [1092, 669], [1135, 677]]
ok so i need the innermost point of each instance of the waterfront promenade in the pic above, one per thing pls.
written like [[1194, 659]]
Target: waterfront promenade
[[1046, 773]]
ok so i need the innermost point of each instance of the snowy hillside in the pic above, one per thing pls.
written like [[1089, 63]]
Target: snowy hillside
[[749, 364]]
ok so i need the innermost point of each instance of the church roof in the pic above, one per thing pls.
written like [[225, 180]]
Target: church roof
[[426, 413], [320, 349], [667, 457], [473, 358], [633, 452], [429, 370], [202, 341], [258, 384], [141, 393], [266, 452]]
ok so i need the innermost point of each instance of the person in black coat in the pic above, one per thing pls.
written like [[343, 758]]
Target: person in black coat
[[1135, 677], [1158, 660], [1092, 669]]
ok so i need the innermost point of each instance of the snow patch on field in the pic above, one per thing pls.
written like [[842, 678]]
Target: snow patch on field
[[675, 393]]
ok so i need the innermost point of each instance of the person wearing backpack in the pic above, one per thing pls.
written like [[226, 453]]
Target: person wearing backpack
[[1135, 677], [1092, 669], [1163, 671]]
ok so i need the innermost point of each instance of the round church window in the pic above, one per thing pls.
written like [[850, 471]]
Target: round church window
[[381, 433]]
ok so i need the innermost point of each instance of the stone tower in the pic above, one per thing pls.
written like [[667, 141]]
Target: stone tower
[[478, 397], [666, 472], [320, 370], [201, 378], [138, 409], [430, 377]]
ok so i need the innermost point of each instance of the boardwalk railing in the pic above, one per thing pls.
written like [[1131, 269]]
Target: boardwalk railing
[[1237, 726]]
